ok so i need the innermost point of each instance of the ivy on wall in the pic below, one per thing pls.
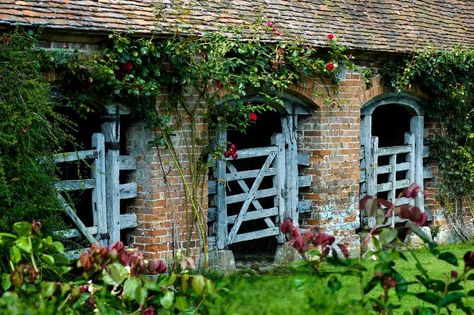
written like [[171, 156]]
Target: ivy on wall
[[447, 77]]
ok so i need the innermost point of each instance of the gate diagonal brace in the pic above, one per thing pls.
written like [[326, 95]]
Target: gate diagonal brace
[[250, 197]]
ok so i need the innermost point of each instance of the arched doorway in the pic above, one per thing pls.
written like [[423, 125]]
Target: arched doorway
[[254, 193], [391, 141]]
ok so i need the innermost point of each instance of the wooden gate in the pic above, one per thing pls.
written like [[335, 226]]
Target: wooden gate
[[390, 170], [247, 192], [104, 182]]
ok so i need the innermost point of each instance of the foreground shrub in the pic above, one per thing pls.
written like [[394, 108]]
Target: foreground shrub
[[37, 279], [438, 296]]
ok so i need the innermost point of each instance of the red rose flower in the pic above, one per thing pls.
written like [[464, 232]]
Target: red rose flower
[[270, 24], [235, 156], [127, 67], [330, 36], [330, 66], [253, 116], [219, 85]]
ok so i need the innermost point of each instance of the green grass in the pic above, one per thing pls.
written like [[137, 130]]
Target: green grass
[[297, 291]]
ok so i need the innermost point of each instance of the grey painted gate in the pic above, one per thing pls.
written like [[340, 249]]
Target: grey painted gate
[[249, 192]]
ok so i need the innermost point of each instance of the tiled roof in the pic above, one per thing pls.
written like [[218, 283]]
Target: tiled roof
[[380, 25], [81, 15]]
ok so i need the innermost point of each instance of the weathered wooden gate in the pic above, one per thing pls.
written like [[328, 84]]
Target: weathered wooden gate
[[397, 162], [107, 191], [390, 169], [246, 197]]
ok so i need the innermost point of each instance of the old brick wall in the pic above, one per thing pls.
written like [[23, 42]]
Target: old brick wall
[[165, 220], [331, 137]]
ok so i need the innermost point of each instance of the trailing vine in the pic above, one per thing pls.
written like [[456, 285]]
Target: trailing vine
[[448, 77], [201, 79]]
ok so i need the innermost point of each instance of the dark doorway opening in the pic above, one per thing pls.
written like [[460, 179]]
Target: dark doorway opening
[[259, 134], [389, 124]]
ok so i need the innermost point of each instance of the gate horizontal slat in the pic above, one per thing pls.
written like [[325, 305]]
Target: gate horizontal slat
[[75, 184], [255, 152], [249, 174], [388, 168], [254, 215], [259, 194], [257, 234], [394, 150], [74, 156], [388, 186]]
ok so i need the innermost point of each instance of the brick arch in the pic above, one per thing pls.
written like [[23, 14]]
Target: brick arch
[[408, 101]]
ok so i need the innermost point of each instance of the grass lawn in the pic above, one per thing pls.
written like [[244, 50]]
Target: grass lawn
[[296, 291]]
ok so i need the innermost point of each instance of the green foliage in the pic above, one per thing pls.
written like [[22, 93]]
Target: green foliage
[[30, 128], [37, 279], [443, 295], [448, 79]]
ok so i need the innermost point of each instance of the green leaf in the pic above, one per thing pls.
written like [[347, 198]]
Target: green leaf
[[470, 277], [22, 228], [141, 294], [402, 286], [181, 303], [6, 283], [371, 284], [450, 298], [47, 288], [198, 284], [24, 244], [115, 274], [423, 310], [130, 287], [48, 259], [449, 258], [167, 300], [15, 254], [388, 235], [58, 246], [429, 297]]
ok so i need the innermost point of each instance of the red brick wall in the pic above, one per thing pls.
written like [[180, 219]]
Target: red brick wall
[[331, 138], [165, 221]]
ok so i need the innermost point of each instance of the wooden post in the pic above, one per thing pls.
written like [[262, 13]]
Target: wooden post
[[366, 142], [417, 128], [372, 167], [289, 126], [410, 140], [99, 206], [278, 181], [111, 130], [392, 177], [220, 175]]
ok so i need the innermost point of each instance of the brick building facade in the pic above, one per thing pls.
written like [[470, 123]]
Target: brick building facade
[[329, 138]]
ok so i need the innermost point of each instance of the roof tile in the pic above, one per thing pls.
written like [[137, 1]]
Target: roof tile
[[381, 25]]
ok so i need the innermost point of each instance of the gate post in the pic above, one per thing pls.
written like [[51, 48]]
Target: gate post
[[222, 233], [417, 128], [278, 180], [99, 205], [111, 130]]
